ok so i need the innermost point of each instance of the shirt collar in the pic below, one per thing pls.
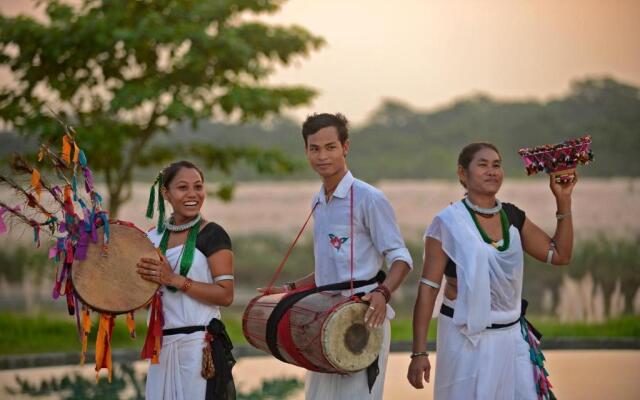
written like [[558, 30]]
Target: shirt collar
[[341, 190], [343, 187]]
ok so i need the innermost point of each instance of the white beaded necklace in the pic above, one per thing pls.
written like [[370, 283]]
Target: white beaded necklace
[[183, 227], [482, 210]]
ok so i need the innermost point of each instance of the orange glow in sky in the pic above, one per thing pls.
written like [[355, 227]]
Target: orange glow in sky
[[429, 52]]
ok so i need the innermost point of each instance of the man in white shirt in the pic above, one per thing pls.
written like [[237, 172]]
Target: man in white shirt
[[376, 237]]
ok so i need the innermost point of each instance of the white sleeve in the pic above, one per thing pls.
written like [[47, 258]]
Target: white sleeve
[[434, 230], [384, 230]]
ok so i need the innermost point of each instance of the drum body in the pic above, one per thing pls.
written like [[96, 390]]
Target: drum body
[[322, 332], [107, 280]]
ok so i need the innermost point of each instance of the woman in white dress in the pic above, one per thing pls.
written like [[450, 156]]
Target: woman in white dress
[[196, 274], [486, 349]]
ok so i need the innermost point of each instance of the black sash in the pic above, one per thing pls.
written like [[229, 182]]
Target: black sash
[[221, 386], [448, 312]]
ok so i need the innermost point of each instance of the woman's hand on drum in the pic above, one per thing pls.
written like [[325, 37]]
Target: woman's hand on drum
[[154, 270], [377, 311], [419, 370]]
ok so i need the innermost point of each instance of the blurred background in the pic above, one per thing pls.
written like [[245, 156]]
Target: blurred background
[[227, 85]]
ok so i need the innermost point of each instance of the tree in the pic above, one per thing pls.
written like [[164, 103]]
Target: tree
[[124, 72]]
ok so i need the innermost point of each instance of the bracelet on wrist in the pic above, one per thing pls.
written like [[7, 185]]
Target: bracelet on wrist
[[419, 354], [382, 289], [560, 216], [186, 285]]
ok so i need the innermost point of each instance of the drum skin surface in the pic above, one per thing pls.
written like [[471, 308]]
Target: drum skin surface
[[327, 329], [108, 281], [349, 345]]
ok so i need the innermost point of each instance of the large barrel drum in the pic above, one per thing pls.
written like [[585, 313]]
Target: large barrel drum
[[322, 332]]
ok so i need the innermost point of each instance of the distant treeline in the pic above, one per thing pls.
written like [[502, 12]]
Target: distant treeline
[[403, 143]]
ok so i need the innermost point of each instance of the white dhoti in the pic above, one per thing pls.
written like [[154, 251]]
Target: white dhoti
[[177, 376], [320, 386], [497, 367], [475, 362]]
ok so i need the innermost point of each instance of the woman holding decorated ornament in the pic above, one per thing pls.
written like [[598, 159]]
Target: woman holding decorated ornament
[[485, 345]]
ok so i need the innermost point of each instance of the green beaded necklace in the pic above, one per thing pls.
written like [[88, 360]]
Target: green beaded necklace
[[505, 229], [188, 250]]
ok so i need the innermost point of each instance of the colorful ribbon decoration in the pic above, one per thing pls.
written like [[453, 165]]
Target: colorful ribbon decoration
[[131, 324], [66, 150], [36, 183], [153, 341], [74, 231], [86, 329], [103, 345]]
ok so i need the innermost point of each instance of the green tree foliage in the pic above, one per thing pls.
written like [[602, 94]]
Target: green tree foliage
[[125, 72], [399, 142], [274, 389], [77, 387], [20, 263], [610, 262]]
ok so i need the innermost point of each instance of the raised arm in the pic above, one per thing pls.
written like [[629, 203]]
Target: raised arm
[[555, 250]]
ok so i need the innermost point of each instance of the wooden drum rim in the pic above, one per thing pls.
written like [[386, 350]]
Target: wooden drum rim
[[78, 264]]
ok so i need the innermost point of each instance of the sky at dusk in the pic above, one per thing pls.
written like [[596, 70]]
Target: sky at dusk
[[428, 53]]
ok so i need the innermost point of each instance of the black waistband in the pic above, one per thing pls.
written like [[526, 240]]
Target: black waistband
[[448, 312], [183, 329]]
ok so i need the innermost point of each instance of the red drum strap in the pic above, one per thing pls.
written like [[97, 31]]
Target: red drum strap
[[286, 340]]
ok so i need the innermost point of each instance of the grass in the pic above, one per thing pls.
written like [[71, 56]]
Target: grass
[[21, 334], [37, 334], [625, 326]]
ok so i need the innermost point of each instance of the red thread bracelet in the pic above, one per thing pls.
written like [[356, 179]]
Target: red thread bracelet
[[382, 289], [186, 285]]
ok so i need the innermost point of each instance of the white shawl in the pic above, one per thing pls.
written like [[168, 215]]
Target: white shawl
[[489, 280]]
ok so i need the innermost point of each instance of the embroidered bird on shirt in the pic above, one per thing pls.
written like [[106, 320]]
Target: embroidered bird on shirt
[[336, 241]]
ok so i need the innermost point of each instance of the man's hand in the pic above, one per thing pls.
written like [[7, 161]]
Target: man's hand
[[377, 311]]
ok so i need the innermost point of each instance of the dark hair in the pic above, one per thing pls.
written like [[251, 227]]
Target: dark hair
[[315, 122], [170, 172], [469, 151]]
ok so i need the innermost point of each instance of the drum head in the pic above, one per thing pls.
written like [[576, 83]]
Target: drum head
[[108, 282], [349, 344]]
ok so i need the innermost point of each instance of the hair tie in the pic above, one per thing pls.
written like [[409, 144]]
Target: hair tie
[[160, 206], [152, 200]]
